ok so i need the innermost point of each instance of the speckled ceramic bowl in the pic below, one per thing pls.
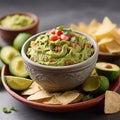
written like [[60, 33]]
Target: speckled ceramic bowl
[[59, 78], [8, 34]]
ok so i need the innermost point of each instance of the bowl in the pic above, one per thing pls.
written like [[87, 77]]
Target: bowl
[[59, 78], [8, 34], [110, 58]]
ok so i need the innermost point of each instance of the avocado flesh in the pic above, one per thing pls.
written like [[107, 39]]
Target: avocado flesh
[[17, 67], [7, 53], [111, 71]]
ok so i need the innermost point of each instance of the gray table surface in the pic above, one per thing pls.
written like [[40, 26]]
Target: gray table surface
[[51, 14]]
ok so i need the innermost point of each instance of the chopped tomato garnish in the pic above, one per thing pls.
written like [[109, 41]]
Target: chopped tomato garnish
[[36, 58], [59, 32], [35, 43], [64, 37], [80, 44], [53, 37], [57, 48], [51, 61], [52, 31], [71, 35], [89, 45], [69, 62], [73, 45]]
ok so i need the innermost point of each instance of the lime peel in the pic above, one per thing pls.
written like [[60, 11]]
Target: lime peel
[[18, 83]]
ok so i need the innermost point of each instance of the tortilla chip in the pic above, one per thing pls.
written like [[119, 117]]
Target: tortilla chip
[[103, 42], [70, 97], [104, 33], [74, 27], [94, 23], [105, 28], [83, 27], [53, 100], [92, 27], [39, 96], [112, 102], [113, 47], [94, 73], [32, 89], [116, 34]]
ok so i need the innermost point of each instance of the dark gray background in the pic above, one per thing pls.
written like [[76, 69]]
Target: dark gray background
[[51, 14]]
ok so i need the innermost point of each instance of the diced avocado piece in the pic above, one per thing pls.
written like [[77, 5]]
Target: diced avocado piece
[[17, 67], [7, 53], [111, 71]]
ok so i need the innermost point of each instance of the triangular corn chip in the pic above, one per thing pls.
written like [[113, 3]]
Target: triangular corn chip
[[32, 89], [116, 34], [113, 47], [70, 97], [106, 27], [112, 102], [40, 95]]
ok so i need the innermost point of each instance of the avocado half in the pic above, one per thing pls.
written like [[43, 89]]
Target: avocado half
[[109, 70]]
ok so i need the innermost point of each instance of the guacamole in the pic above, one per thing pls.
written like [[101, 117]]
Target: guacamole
[[60, 47], [16, 21]]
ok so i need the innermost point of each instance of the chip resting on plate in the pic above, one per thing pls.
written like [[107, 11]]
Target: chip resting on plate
[[38, 94], [70, 97], [32, 89], [112, 102]]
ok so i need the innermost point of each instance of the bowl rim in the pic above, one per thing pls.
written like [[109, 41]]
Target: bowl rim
[[81, 64], [30, 14]]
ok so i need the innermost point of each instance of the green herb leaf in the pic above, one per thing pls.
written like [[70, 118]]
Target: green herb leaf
[[67, 31], [13, 108], [61, 27], [73, 39], [5, 110]]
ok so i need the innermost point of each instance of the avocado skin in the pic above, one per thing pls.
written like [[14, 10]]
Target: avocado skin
[[104, 85], [111, 75]]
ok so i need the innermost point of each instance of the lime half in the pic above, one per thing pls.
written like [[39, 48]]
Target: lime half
[[96, 84], [18, 83], [20, 40]]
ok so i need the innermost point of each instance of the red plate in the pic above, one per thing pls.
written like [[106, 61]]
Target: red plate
[[56, 108]]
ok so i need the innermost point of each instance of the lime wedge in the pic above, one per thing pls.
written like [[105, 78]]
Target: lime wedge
[[96, 84], [20, 40], [104, 85], [18, 83]]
